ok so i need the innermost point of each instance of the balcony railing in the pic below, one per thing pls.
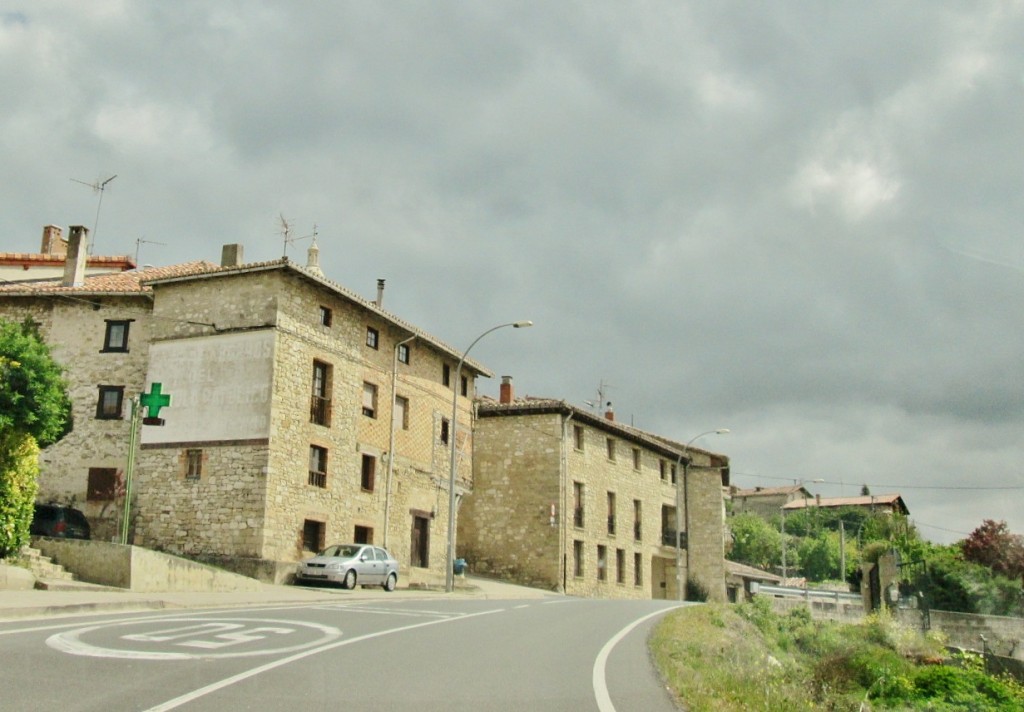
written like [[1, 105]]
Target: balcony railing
[[317, 479], [668, 538], [320, 410], [637, 531], [611, 524], [577, 518]]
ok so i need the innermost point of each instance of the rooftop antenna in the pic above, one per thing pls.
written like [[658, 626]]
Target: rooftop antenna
[[286, 233], [596, 405], [98, 186], [141, 241]]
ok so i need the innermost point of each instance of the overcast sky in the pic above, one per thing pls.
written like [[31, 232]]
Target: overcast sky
[[797, 220]]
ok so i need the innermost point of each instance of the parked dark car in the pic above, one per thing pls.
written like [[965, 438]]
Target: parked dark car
[[60, 521]]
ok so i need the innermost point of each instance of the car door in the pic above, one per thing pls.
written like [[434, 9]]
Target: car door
[[367, 567]]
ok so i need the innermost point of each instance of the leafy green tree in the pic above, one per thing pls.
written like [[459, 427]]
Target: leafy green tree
[[33, 392], [35, 411], [755, 541]]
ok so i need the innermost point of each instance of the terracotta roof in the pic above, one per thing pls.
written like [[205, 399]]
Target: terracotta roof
[[56, 260], [130, 282], [886, 500], [768, 491]]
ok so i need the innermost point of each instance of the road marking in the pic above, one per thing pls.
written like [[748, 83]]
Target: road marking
[[394, 612], [604, 700], [525, 605], [200, 634], [228, 681]]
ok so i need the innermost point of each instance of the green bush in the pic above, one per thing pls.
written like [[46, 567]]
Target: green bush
[[19, 467]]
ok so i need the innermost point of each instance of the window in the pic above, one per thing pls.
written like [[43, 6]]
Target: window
[[577, 437], [446, 375], [401, 412], [320, 399], [637, 519], [193, 464], [403, 354], [577, 558], [611, 448], [370, 400], [636, 459], [663, 468], [372, 337], [620, 566], [638, 570], [444, 430], [317, 466], [577, 501], [602, 562], [673, 473], [611, 513], [116, 336], [102, 485], [362, 535], [313, 535], [369, 472], [464, 385], [325, 316], [110, 400]]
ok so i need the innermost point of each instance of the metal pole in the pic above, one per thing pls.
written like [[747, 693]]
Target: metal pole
[[783, 511], [449, 581], [129, 470]]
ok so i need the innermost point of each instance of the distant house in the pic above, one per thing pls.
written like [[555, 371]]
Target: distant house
[[888, 503], [571, 500], [739, 577], [50, 262], [766, 501]]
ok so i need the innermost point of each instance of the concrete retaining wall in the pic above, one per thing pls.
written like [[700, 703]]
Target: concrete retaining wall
[[138, 569]]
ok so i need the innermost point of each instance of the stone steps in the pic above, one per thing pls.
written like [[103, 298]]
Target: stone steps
[[44, 568]]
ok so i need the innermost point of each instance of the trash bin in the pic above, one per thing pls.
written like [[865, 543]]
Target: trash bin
[[459, 567]]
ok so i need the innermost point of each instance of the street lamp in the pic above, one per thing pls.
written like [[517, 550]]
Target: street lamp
[[681, 496], [391, 439], [449, 581]]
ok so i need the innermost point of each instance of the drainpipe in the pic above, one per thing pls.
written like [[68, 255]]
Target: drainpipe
[[391, 439]]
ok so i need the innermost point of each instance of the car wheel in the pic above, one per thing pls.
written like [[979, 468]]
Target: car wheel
[[350, 579], [391, 582]]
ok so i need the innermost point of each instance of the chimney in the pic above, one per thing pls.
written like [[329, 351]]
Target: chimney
[[817, 500], [380, 292], [74, 264], [609, 414], [505, 395], [53, 243], [231, 255]]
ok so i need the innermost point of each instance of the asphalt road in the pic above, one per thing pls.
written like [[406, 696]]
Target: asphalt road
[[402, 654]]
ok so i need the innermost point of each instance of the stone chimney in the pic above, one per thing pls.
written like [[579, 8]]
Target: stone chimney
[[53, 243], [231, 255], [505, 394], [380, 292], [74, 264], [609, 414]]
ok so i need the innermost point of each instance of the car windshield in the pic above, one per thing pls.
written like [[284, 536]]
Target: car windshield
[[346, 551]]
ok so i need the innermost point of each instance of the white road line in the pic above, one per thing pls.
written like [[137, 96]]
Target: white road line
[[228, 681], [604, 700]]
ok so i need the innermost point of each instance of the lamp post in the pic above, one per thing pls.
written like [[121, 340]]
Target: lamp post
[[682, 465], [449, 583]]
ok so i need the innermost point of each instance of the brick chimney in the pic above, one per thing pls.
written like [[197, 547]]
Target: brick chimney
[[74, 264], [231, 255], [53, 242], [609, 414], [505, 394]]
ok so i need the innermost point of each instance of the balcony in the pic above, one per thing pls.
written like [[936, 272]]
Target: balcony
[[577, 517], [318, 479], [611, 524], [320, 410], [668, 538]]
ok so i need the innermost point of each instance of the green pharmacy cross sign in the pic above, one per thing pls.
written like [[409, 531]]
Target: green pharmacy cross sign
[[153, 402]]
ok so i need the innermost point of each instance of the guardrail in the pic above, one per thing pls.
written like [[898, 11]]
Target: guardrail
[[805, 593]]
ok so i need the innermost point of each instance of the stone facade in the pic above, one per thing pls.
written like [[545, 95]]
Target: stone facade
[[242, 350], [574, 502]]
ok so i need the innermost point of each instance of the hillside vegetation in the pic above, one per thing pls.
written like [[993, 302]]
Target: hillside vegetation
[[720, 658]]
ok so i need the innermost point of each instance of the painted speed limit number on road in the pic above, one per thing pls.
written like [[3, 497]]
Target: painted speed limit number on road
[[188, 638]]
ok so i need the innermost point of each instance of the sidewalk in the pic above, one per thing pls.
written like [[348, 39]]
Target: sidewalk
[[34, 603]]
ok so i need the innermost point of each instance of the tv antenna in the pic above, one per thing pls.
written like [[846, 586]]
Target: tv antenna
[[602, 389], [286, 233], [98, 186], [142, 241]]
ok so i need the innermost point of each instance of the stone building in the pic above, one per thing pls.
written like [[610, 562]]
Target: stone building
[[301, 413], [50, 261], [766, 502], [568, 500]]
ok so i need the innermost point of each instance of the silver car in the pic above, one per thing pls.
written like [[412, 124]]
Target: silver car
[[350, 565]]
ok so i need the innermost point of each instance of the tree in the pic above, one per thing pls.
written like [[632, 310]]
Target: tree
[[755, 542], [993, 545], [33, 392], [34, 410]]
